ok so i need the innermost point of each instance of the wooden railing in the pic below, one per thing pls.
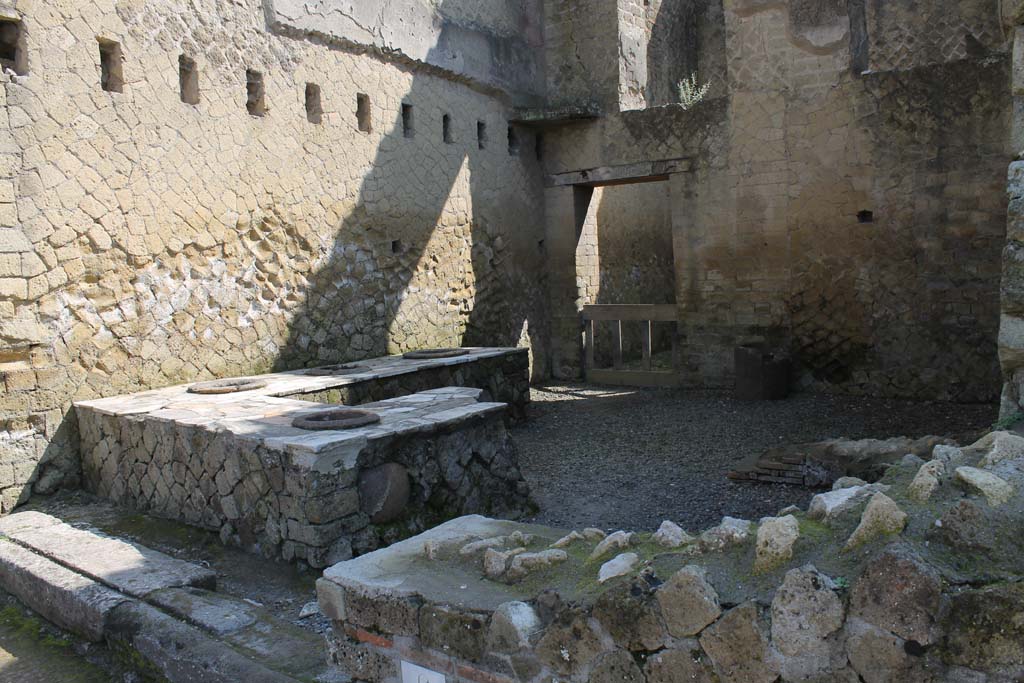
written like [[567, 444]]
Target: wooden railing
[[646, 315]]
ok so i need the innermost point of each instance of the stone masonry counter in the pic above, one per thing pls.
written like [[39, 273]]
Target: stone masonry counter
[[503, 373], [917, 577], [234, 463]]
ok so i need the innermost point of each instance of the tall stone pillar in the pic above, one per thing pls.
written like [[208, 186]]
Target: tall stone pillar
[[1011, 323], [565, 209]]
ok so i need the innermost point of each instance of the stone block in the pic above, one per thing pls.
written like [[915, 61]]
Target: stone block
[[180, 652], [835, 505], [128, 567], [617, 666], [881, 657], [984, 629], [683, 663], [514, 626], [632, 615], [68, 599], [457, 632], [738, 645], [215, 612], [899, 593], [570, 645], [806, 611], [995, 489], [688, 602], [776, 537]]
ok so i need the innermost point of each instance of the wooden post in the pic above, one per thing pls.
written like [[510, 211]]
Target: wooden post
[[645, 334], [617, 341]]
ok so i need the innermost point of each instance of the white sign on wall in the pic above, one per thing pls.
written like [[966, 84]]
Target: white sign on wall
[[417, 674]]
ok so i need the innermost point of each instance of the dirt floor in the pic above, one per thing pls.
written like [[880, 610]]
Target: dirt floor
[[32, 651], [618, 458]]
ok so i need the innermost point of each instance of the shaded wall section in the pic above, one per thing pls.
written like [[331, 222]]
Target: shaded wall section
[[851, 219]]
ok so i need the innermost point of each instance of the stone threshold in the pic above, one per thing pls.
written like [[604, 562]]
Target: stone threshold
[[159, 614]]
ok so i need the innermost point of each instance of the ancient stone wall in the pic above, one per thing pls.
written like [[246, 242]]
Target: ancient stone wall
[[581, 53], [912, 578], [851, 219], [907, 35], [681, 39], [625, 55], [237, 199], [497, 44], [1011, 325]]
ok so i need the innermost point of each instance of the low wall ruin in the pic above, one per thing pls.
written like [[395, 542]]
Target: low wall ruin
[[914, 578]]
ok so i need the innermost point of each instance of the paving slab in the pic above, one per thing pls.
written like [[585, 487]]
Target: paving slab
[[130, 568], [70, 600], [252, 630], [215, 612], [181, 652]]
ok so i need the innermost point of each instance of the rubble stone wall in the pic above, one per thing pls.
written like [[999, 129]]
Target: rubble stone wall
[[316, 507], [913, 579], [146, 241]]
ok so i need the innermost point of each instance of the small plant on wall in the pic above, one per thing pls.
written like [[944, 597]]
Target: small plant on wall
[[690, 93]]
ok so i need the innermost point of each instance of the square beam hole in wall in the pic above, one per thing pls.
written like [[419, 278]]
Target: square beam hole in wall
[[188, 80], [12, 46], [407, 123], [111, 66], [865, 217], [363, 112], [314, 106], [255, 93], [446, 129], [513, 141], [481, 135]]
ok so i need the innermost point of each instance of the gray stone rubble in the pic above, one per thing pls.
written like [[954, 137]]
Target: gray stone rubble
[[860, 588]]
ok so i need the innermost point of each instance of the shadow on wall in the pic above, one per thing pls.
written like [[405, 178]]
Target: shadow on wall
[[436, 250]]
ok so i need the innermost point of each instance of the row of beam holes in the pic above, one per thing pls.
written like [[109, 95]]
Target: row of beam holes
[[112, 80], [12, 56], [447, 130]]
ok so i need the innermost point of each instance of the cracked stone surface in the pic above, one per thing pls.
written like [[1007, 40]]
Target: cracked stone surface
[[234, 464]]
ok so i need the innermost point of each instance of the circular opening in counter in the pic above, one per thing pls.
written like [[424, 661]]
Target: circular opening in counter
[[226, 386], [342, 418], [426, 354], [336, 369]]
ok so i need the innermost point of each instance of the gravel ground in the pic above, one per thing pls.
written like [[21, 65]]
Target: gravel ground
[[619, 458]]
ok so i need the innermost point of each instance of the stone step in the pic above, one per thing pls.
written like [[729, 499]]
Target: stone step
[[128, 567], [180, 652], [70, 600], [252, 630], [168, 626]]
